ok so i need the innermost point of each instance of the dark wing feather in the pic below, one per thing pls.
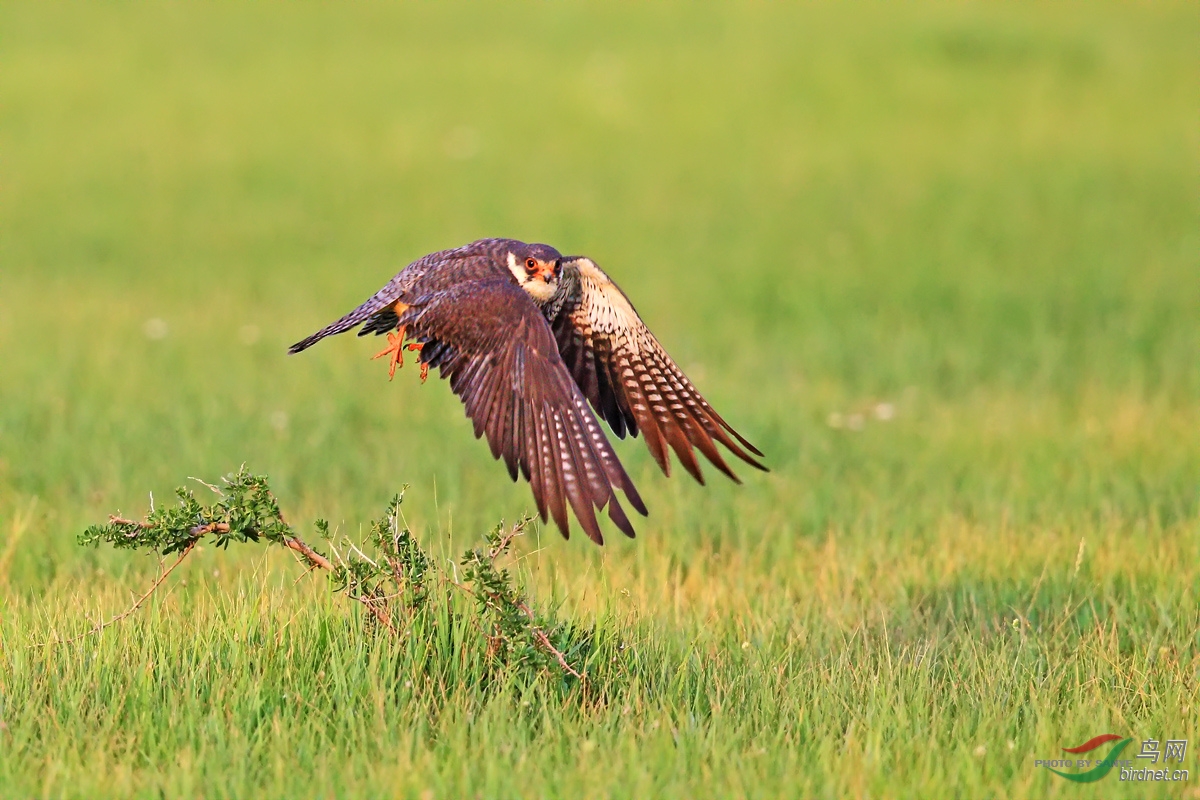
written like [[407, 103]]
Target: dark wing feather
[[382, 322], [497, 350], [630, 380]]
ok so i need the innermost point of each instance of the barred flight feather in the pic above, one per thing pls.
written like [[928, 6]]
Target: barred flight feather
[[631, 381]]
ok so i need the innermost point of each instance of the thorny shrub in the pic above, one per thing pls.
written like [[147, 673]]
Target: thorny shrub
[[390, 574]]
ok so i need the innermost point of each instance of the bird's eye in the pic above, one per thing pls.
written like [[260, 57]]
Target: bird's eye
[[530, 265]]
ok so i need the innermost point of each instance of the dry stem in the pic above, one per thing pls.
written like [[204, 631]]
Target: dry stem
[[182, 555], [545, 642], [314, 558]]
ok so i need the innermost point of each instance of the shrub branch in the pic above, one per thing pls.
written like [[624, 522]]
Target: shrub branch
[[393, 582]]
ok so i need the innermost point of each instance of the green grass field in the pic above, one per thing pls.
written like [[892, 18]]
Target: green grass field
[[941, 262]]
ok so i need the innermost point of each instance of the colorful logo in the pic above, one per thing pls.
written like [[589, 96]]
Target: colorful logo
[[1100, 767]]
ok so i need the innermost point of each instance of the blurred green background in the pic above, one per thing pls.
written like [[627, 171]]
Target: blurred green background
[[940, 261], [984, 211]]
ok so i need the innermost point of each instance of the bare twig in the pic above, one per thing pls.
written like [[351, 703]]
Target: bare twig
[[558, 656], [377, 612], [314, 558], [115, 520], [182, 555], [212, 527], [311, 568], [362, 555], [214, 489], [496, 601], [516, 530], [318, 561], [545, 642]]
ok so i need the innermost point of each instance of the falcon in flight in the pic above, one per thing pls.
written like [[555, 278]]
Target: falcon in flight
[[528, 338]]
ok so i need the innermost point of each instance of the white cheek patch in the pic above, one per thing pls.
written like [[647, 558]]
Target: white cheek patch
[[516, 269]]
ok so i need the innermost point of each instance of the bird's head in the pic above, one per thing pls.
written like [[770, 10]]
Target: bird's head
[[537, 268]]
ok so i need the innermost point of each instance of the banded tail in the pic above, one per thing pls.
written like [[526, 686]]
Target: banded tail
[[382, 299]]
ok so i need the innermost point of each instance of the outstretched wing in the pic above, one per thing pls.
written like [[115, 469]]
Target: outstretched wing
[[494, 345], [630, 380]]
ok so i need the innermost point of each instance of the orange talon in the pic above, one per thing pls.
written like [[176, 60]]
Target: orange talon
[[424, 367], [395, 349]]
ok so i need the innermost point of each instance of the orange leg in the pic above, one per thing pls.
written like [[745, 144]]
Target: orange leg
[[395, 349], [424, 367]]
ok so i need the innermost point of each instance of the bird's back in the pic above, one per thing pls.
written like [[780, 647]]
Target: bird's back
[[439, 271], [427, 275]]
